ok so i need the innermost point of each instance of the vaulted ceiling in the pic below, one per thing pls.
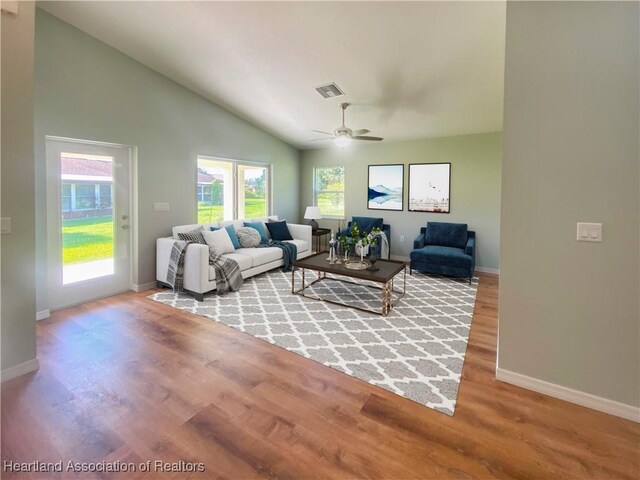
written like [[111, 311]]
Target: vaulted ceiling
[[410, 69]]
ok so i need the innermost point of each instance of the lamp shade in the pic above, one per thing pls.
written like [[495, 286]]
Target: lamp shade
[[312, 213]]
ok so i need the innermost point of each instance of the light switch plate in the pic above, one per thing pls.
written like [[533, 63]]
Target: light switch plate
[[589, 232], [5, 225], [160, 206]]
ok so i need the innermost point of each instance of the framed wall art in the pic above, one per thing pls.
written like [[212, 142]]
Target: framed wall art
[[386, 187], [429, 187]]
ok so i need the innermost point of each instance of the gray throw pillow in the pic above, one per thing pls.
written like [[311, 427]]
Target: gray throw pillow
[[249, 237], [194, 236]]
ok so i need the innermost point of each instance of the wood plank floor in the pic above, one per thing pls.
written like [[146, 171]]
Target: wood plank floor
[[126, 379]]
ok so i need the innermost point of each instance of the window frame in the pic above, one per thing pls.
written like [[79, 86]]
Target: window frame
[[235, 164], [343, 191]]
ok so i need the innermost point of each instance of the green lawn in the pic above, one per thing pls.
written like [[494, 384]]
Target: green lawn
[[253, 207], [209, 213], [87, 239]]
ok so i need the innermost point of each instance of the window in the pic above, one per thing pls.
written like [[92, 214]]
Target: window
[[66, 197], [105, 196], [228, 190], [85, 196], [329, 191]]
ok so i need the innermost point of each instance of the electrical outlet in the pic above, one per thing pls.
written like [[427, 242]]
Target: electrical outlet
[[160, 206], [402, 238]]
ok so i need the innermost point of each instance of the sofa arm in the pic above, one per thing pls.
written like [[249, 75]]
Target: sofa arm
[[419, 241], [196, 268], [470, 248], [300, 232]]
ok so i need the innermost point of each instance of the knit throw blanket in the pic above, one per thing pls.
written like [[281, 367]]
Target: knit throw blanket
[[289, 252], [228, 276]]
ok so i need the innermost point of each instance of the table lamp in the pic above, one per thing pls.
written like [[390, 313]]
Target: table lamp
[[313, 214]]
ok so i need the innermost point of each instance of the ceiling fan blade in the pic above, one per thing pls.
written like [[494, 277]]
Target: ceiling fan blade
[[317, 139], [374, 139], [320, 131], [357, 133]]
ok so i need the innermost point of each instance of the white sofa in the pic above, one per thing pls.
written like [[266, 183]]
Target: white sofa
[[199, 277]]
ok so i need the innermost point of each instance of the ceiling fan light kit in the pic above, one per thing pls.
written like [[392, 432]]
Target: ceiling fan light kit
[[343, 135], [343, 141]]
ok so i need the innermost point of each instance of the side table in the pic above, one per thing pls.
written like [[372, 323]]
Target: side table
[[316, 239]]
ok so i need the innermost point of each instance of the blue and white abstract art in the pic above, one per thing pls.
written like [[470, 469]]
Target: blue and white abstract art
[[386, 187]]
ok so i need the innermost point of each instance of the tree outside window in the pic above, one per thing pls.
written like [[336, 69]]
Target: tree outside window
[[329, 191]]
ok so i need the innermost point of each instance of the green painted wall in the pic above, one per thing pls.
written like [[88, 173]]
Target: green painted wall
[[85, 89], [475, 186], [18, 269], [569, 310]]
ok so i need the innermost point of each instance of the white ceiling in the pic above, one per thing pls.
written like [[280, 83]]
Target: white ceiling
[[410, 69]]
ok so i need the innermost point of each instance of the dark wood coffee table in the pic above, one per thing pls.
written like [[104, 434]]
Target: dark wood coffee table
[[388, 270]]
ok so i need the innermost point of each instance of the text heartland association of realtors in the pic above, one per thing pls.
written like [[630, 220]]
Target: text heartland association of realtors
[[80, 467]]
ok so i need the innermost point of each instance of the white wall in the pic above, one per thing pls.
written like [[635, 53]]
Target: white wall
[[569, 311], [85, 89], [475, 186], [18, 269]]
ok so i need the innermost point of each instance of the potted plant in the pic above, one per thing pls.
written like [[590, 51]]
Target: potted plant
[[360, 239]]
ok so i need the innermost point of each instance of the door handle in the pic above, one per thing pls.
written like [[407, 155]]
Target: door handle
[[124, 217], [125, 227]]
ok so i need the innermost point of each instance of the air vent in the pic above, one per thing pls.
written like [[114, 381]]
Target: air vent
[[329, 91]]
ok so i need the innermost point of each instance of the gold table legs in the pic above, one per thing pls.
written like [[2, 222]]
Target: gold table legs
[[387, 291]]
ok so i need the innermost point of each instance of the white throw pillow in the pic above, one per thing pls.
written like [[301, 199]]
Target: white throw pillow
[[219, 241]]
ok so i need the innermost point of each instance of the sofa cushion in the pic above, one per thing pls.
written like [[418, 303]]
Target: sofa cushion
[[440, 255], [366, 224], [232, 235], [194, 235], [244, 262], [279, 230], [446, 234], [301, 245], [236, 224], [260, 256], [219, 241], [248, 237], [263, 221], [259, 226]]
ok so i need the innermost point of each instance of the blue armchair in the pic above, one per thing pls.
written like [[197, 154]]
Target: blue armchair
[[446, 249], [366, 224]]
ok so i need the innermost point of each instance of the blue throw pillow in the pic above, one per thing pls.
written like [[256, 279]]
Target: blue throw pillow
[[446, 234], [279, 230], [259, 226], [232, 235], [366, 224]]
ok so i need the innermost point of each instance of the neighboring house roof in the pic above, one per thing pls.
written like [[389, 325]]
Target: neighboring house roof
[[86, 169], [207, 178]]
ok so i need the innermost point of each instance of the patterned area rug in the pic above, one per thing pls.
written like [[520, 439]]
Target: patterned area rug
[[416, 351]]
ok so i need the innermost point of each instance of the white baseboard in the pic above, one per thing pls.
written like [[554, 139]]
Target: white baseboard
[[495, 271], [570, 395], [20, 369], [143, 287], [42, 314], [400, 258]]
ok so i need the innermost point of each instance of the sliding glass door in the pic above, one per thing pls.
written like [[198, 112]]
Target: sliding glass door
[[228, 189]]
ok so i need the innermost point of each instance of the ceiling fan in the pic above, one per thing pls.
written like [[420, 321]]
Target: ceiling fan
[[343, 135]]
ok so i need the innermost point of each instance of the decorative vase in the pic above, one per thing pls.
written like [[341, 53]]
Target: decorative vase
[[373, 258]]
